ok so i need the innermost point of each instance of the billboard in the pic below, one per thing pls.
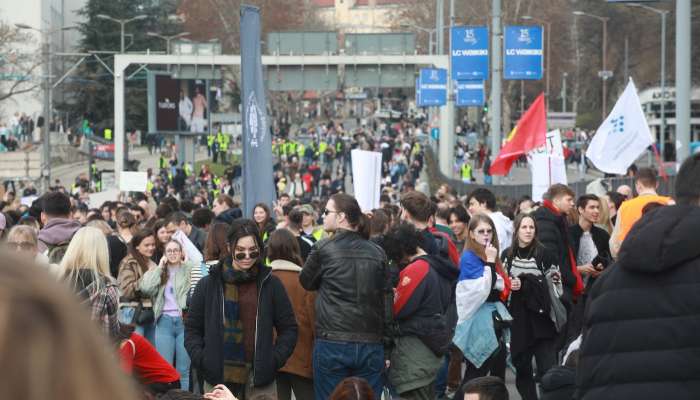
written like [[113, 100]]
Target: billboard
[[432, 85], [179, 105], [470, 93], [470, 52], [524, 55]]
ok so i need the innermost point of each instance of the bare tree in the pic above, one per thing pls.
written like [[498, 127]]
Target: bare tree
[[16, 65]]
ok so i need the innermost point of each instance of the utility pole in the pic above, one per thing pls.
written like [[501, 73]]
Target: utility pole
[[446, 144], [683, 81], [496, 70]]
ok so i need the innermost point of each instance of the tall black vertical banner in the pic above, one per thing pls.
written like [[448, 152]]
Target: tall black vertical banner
[[258, 184]]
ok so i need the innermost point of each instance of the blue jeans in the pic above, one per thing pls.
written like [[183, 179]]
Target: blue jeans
[[335, 361], [170, 343], [126, 316]]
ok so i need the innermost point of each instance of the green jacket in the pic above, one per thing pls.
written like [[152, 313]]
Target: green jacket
[[413, 365], [150, 286]]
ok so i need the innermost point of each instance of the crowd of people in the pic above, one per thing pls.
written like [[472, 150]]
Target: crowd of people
[[428, 296]]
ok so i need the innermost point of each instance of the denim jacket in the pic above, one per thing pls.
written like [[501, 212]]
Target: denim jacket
[[476, 336]]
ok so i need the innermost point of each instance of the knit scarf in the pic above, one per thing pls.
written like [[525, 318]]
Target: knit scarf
[[237, 363]]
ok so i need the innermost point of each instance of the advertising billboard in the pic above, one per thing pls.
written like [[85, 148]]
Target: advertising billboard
[[179, 105]]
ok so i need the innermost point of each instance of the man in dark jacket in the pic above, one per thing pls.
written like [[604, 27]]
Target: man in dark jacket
[[179, 220], [262, 313], [425, 291], [350, 274], [552, 231], [640, 336], [591, 246]]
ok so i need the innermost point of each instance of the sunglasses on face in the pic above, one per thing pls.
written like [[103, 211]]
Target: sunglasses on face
[[242, 255], [484, 231], [327, 211]]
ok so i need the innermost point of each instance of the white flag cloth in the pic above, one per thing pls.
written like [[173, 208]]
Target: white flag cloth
[[622, 137]]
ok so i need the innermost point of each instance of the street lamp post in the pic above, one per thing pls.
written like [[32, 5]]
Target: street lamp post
[[426, 30], [119, 146], [549, 30], [604, 74], [122, 23], [662, 80], [168, 39], [48, 86]]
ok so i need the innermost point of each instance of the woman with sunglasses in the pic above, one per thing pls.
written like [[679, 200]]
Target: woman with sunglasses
[[240, 328], [481, 290], [533, 333], [167, 284]]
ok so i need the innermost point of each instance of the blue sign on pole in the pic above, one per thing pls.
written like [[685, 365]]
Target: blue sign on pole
[[470, 93], [435, 133], [470, 52], [432, 84], [524, 54]]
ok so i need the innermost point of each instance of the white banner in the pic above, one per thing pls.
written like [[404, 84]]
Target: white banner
[[367, 177], [130, 181], [622, 137], [547, 165]]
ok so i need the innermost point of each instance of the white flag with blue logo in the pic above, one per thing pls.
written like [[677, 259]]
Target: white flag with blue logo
[[622, 137]]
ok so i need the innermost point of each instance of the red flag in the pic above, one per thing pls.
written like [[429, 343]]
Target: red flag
[[529, 133]]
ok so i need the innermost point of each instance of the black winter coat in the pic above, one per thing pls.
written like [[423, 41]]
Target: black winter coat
[[351, 277], [552, 232], [640, 338], [204, 327], [424, 299], [559, 383]]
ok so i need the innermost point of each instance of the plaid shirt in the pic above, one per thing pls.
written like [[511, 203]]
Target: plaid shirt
[[104, 304]]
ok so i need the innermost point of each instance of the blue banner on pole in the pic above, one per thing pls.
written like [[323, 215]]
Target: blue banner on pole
[[258, 184], [470, 52], [432, 83], [524, 53], [470, 93]]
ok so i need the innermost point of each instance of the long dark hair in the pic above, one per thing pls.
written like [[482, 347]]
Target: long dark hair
[[516, 227], [136, 240], [160, 247], [241, 228], [284, 246], [353, 213], [268, 217]]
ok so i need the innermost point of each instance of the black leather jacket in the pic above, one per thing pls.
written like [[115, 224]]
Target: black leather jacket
[[349, 273]]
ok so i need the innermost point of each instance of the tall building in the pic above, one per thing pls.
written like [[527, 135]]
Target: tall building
[[46, 15]]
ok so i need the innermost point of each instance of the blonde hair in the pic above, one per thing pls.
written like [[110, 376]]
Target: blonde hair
[[24, 231], [604, 218], [42, 326], [87, 250]]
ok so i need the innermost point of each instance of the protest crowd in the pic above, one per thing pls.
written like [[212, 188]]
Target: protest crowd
[[428, 296]]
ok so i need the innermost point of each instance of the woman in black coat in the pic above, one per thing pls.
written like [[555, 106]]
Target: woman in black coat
[[533, 331], [235, 313]]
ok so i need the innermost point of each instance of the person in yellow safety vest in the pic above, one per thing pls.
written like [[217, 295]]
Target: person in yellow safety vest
[[466, 172], [162, 163], [187, 168], [416, 149], [210, 144], [149, 185], [108, 134], [300, 150], [223, 148]]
